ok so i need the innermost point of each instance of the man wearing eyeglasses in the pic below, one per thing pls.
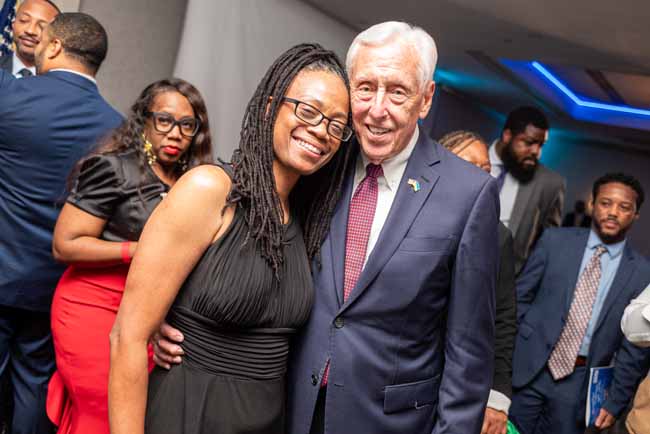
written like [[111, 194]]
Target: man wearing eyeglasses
[[400, 339], [47, 123]]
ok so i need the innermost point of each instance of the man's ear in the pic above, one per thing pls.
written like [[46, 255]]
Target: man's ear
[[506, 136], [54, 48]]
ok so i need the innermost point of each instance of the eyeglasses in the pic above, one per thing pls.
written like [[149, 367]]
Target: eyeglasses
[[312, 116], [164, 122]]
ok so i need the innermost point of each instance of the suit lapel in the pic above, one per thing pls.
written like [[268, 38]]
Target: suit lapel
[[573, 257], [405, 207], [338, 230], [622, 277]]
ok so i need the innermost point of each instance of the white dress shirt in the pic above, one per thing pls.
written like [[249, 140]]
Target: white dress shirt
[[81, 74], [387, 185], [18, 66], [508, 193], [636, 320]]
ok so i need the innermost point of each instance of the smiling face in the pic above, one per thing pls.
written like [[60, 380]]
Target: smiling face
[[31, 19], [387, 99], [302, 149], [169, 147], [614, 211]]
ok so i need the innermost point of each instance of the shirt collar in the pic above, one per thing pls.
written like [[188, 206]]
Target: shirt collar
[[613, 250], [81, 74], [18, 66], [393, 168], [494, 157]]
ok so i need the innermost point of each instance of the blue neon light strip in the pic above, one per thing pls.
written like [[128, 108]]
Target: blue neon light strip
[[597, 105]]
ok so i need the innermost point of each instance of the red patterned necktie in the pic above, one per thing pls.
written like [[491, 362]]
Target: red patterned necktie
[[360, 217], [362, 212], [563, 358]]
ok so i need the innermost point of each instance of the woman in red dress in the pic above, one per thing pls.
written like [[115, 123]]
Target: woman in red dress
[[117, 188]]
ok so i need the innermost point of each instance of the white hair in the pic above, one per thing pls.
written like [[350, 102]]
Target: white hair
[[397, 31]]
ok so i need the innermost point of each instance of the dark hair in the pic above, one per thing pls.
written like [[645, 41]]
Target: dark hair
[[49, 2], [314, 197], [129, 134], [453, 141], [624, 179], [521, 117], [82, 38]]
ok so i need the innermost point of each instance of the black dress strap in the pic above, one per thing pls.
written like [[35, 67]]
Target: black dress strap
[[226, 166]]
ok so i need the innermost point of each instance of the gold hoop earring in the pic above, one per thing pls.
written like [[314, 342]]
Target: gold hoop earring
[[148, 151]]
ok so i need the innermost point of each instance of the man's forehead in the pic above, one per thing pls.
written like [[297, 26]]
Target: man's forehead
[[39, 8], [390, 59]]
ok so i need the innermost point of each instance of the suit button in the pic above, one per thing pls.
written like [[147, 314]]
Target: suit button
[[314, 379], [339, 322]]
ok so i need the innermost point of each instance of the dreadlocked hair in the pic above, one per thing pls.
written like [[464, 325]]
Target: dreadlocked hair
[[253, 185], [456, 141]]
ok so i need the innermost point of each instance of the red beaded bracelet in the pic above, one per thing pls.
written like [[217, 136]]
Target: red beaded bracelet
[[126, 256]]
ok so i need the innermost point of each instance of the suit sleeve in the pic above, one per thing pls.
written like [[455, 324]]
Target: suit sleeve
[[530, 277], [506, 318], [469, 347], [630, 367]]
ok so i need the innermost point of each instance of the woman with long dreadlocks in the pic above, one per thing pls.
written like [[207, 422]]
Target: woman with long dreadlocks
[[225, 259]]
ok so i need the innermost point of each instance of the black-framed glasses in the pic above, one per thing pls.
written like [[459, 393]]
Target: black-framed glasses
[[312, 116], [164, 122]]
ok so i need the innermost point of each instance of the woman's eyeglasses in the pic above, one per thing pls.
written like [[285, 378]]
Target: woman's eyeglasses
[[164, 122], [312, 116]]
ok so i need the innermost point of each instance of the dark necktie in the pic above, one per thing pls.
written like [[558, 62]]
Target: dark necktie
[[360, 217], [25, 73], [563, 358]]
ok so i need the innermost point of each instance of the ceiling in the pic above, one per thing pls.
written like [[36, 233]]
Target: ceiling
[[598, 48]]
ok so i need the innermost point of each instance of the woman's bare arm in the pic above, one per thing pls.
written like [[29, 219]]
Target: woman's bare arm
[[176, 235], [76, 240]]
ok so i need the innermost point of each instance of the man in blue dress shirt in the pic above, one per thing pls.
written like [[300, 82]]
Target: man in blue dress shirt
[[570, 299], [47, 123]]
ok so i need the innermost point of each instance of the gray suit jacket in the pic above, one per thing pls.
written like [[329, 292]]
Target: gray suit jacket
[[538, 206], [7, 62]]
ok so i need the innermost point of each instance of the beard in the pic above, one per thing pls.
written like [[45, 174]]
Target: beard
[[520, 172]]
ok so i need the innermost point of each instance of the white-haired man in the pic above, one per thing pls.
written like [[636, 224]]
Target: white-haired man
[[400, 339]]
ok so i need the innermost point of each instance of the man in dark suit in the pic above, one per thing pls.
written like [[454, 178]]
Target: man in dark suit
[[531, 195], [32, 17], [401, 335], [570, 299], [47, 123], [471, 147]]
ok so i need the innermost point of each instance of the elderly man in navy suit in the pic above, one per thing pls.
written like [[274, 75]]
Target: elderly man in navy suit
[[571, 296], [400, 339], [47, 123]]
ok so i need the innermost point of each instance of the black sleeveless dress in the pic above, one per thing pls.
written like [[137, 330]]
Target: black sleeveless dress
[[237, 322]]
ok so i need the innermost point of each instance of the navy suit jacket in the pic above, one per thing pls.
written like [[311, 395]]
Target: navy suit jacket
[[544, 294], [411, 349], [47, 123]]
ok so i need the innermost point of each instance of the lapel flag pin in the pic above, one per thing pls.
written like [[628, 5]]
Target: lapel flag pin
[[415, 185]]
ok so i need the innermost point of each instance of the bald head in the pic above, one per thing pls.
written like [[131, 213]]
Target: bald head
[[32, 17]]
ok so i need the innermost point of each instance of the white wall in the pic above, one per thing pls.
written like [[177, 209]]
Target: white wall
[[143, 38], [227, 46]]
